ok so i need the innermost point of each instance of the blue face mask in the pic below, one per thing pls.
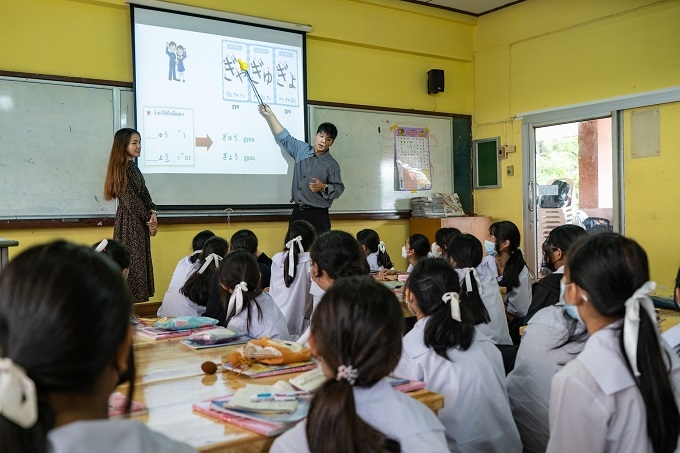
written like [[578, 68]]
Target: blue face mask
[[572, 311], [490, 248]]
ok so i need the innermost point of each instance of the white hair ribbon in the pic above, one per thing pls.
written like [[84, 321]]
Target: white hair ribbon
[[382, 248], [468, 280], [18, 397], [236, 300], [196, 252], [290, 245], [631, 321], [212, 258], [453, 299], [102, 246]]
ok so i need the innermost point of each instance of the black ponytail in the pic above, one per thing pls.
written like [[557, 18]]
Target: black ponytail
[[308, 233], [465, 250], [358, 323], [197, 286], [240, 266], [429, 281], [502, 231], [611, 268]]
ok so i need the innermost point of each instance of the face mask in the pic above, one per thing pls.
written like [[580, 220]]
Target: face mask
[[403, 253], [435, 250], [572, 310], [490, 248]]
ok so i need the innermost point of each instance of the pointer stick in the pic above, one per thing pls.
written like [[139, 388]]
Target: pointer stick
[[244, 68]]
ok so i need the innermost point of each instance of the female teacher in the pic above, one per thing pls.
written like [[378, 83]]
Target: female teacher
[[136, 213]]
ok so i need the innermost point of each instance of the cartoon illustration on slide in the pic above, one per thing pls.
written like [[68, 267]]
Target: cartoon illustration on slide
[[181, 56], [170, 49]]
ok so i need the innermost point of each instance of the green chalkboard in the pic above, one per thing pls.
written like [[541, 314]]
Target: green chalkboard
[[486, 164]]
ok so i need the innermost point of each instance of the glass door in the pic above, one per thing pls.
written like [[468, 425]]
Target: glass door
[[571, 182]]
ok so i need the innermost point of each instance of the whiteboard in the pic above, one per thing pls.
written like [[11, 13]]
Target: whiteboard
[[365, 150], [55, 140]]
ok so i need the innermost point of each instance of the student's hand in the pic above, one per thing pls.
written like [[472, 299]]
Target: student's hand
[[382, 275], [316, 185]]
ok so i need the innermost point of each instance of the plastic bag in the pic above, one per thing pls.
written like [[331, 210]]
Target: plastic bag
[[185, 322]]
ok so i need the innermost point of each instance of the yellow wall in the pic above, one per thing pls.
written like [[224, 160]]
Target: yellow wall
[[652, 204], [543, 54]]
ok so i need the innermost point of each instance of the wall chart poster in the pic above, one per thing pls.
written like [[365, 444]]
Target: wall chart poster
[[412, 158]]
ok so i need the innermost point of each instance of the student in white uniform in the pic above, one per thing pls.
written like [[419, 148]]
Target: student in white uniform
[[245, 306], [356, 335], [444, 350], [441, 240], [546, 291], [550, 340], [506, 261], [193, 296], [335, 255], [375, 250], [483, 297], [621, 393], [185, 267], [416, 248], [56, 371], [672, 335], [291, 281]]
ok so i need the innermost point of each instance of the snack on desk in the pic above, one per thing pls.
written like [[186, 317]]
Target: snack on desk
[[271, 352]]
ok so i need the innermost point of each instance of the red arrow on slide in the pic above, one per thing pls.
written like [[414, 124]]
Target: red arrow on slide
[[204, 142]]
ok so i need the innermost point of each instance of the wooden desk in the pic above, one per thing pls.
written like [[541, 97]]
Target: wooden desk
[[170, 380], [668, 319]]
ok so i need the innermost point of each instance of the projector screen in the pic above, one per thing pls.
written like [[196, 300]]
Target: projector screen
[[198, 82]]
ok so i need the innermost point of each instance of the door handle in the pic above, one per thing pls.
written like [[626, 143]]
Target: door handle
[[531, 196]]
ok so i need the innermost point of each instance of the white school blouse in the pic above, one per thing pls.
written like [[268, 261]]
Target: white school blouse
[[517, 299], [391, 412], [293, 301], [497, 328], [317, 293], [535, 365], [476, 412], [595, 404], [174, 302], [672, 337], [111, 436], [271, 324]]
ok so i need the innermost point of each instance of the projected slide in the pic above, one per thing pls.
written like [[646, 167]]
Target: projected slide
[[197, 110]]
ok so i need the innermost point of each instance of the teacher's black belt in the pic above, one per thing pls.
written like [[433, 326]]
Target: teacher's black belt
[[303, 207]]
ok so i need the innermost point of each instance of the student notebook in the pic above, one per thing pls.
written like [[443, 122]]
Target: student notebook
[[265, 424]]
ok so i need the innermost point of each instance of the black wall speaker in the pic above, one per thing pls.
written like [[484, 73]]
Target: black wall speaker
[[435, 81]]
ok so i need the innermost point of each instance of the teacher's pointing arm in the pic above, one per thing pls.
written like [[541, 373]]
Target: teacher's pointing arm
[[273, 122]]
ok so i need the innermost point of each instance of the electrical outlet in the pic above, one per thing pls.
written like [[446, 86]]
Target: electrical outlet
[[510, 170]]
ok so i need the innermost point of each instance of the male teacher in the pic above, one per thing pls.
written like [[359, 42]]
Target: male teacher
[[316, 175]]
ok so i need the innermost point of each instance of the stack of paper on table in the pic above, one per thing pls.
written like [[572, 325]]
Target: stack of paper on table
[[156, 333], [260, 419]]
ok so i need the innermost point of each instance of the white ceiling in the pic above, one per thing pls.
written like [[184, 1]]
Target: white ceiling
[[473, 7]]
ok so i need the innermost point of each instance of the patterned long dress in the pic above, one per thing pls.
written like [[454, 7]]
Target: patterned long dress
[[134, 206]]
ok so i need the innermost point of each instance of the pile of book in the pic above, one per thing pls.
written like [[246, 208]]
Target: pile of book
[[441, 205], [271, 410]]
